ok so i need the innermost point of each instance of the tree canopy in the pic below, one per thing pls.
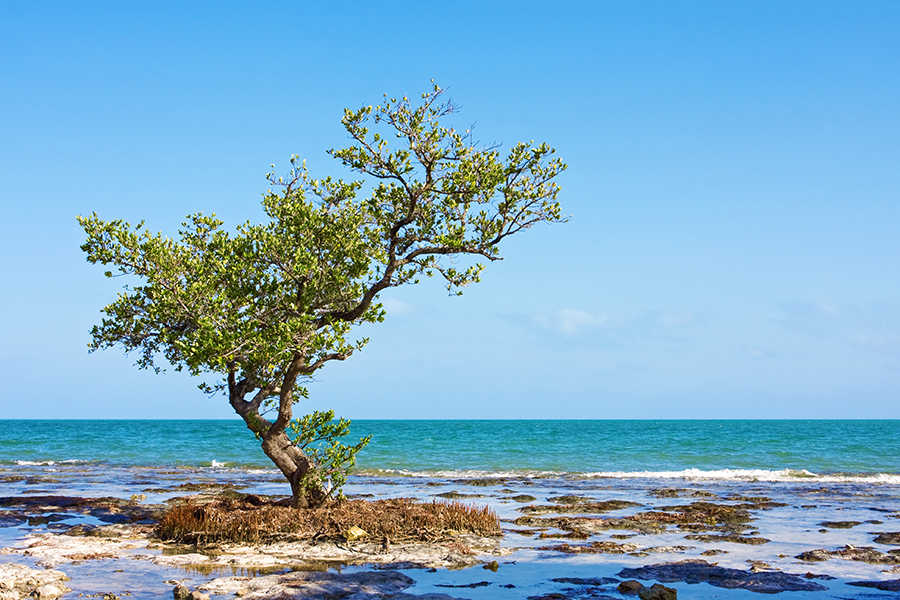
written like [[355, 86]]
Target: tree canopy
[[266, 306]]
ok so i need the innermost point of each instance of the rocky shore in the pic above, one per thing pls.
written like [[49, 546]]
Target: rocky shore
[[561, 539]]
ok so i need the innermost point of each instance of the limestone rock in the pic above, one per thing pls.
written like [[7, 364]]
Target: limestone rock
[[299, 585], [18, 581], [696, 571]]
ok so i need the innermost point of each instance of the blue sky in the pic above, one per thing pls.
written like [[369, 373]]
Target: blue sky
[[733, 187]]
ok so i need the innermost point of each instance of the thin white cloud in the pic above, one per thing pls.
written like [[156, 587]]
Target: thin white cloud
[[874, 327], [571, 322], [394, 306], [761, 353]]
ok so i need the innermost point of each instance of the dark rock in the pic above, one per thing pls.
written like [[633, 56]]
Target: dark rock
[[890, 537], [657, 592], [586, 580], [484, 481], [464, 585], [572, 535], [892, 585], [570, 500], [728, 537], [840, 524], [594, 548], [575, 504], [696, 571], [713, 552], [630, 587], [861, 554], [817, 555], [458, 495], [521, 498], [180, 592]]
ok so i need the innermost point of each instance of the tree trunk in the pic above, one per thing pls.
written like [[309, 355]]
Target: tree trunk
[[276, 444], [293, 465]]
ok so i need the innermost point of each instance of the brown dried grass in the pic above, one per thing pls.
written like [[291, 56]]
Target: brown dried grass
[[399, 519]]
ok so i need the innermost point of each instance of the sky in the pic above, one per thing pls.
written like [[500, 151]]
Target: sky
[[733, 190]]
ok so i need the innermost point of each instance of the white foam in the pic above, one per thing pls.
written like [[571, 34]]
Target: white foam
[[783, 475]]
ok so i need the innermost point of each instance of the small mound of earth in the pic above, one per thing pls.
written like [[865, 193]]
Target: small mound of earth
[[697, 571], [313, 584], [18, 581], [865, 554]]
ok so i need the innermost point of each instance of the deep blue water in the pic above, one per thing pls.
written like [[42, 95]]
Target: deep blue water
[[822, 447]]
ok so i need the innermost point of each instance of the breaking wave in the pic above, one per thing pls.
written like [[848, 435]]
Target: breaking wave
[[783, 475]]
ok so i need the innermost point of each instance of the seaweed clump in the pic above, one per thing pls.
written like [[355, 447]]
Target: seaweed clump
[[399, 519]]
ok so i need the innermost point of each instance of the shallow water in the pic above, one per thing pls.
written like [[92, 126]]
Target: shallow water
[[529, 569], [823, 471]]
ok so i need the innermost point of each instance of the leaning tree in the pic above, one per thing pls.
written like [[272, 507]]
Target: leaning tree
[[267, 305]]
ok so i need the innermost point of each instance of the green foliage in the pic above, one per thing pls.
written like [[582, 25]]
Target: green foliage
[[264, 306], [317, 434]]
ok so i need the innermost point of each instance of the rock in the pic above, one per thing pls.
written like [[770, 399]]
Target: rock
[[195, 595], [18, 581], [181, 593], [492, 566], [889, 537], [592, 581], [576, 505], [355, 533], [630, 587], [840, 524], [604, 547], [861, 554], [457, 496], [892, 585], [657, 592], [313, 584], [696, 571], [728, 537], [521, 498]]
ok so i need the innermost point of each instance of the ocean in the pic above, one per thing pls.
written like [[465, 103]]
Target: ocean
[[823, 486], [764, 449]]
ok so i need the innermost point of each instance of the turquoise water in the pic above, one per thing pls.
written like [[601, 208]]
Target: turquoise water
[[423, 447]]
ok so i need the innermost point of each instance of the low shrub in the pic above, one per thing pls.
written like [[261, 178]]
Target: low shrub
[[398, 520]]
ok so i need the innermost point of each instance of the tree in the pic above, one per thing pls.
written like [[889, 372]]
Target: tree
[[268, 305]]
